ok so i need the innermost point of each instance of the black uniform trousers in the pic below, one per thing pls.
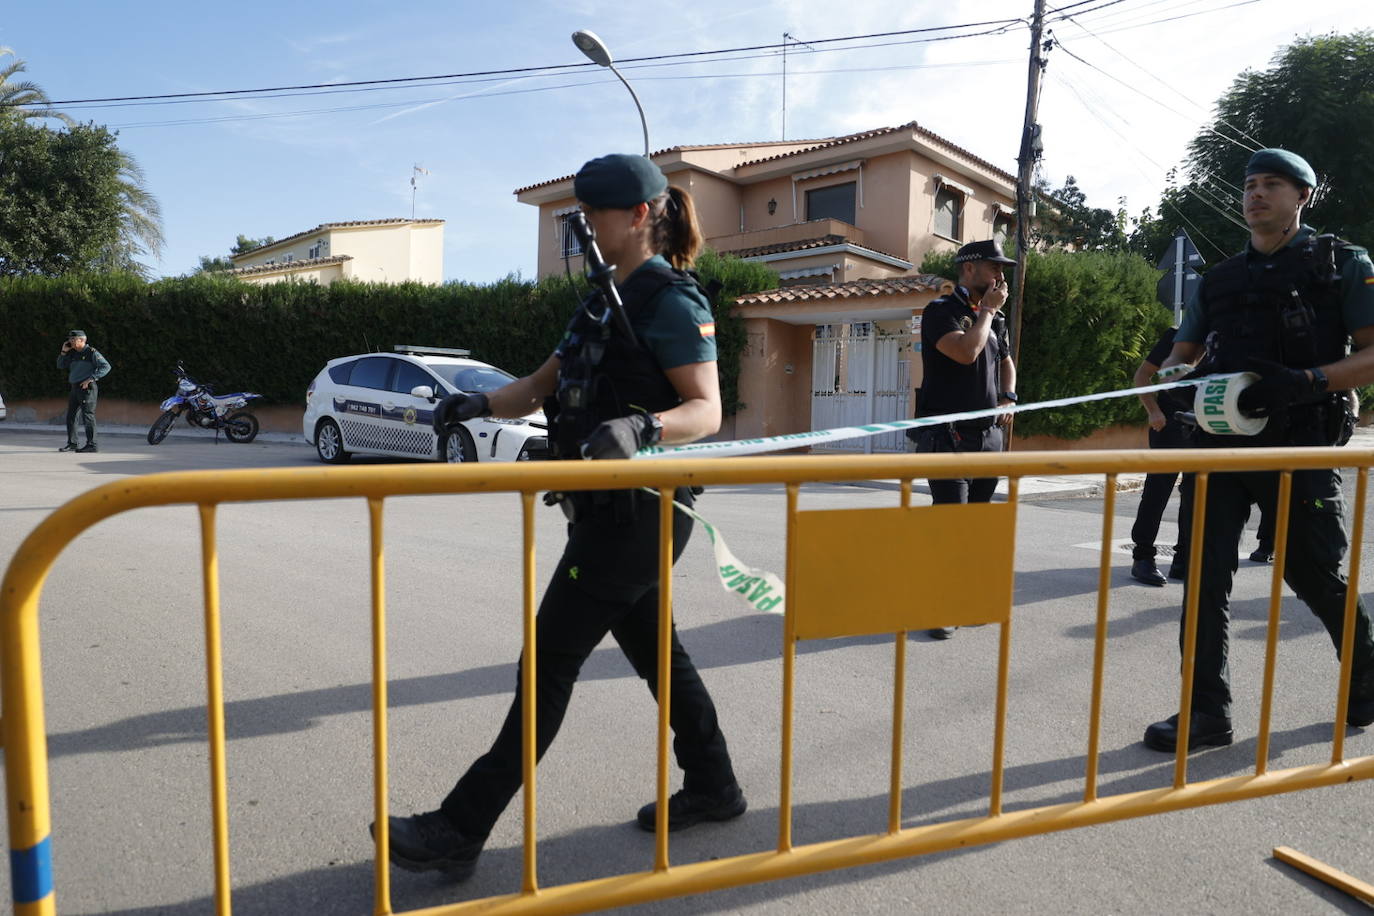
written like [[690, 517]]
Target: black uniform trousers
[[1154, 496], [81, 403], [606, 581], [951, 437], [1317, 542]]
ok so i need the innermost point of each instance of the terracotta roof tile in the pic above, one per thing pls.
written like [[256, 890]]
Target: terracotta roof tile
[[822, 143], [867, 134], [397, 220], [853, 289], [823, 241], [288, 265]]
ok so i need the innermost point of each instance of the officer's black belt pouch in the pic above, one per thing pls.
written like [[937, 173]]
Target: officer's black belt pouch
[[1340, 418]]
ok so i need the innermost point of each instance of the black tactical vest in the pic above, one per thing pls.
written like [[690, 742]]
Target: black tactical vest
[[1285, 309], [602, 375]]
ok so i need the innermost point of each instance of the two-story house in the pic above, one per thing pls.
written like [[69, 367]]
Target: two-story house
[[845, 221], [370, 250]]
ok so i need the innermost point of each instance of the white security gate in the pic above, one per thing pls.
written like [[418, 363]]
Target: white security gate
[[857, 378]]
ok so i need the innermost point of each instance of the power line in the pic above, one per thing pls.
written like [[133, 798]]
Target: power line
[[1163, 200], [305, 112], [1060, 44], [552, 69], [1159, 79], [1216, 9]]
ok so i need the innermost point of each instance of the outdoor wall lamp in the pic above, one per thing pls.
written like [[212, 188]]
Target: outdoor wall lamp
[[589, 44], [772, 206]]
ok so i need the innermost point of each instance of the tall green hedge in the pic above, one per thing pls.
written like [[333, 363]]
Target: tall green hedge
[[1090, 318], [274, 338]]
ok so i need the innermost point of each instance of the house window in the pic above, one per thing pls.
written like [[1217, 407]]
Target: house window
[[320, 249], [1002, 226], [834, 202], [569, 245], [949, 205]]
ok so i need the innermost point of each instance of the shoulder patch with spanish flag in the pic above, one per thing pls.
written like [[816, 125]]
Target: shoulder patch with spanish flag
[[1369, 281], [709, 328]]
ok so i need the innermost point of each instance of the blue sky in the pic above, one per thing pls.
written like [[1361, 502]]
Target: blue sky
[[276, 166]]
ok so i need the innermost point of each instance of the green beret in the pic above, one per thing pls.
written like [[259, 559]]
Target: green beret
[[619, 181], [76, 333], [1282, 162]]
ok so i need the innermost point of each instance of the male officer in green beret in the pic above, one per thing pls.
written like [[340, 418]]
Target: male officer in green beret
[[1287, 308], [84, 365]]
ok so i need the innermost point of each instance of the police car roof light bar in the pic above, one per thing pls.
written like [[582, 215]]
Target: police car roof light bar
[[430, 351]]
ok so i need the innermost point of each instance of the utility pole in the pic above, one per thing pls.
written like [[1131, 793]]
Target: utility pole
[[1030, 152]]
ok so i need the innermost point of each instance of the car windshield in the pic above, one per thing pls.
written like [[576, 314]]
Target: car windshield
[[473, 378]]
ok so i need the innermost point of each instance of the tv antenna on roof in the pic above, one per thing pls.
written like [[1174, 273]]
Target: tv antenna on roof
[[786, 37], [414, 171]]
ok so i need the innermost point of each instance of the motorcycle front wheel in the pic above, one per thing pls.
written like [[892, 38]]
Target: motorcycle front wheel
[[158, 431], [241, 427]]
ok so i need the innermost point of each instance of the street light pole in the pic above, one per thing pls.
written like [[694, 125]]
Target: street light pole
[[596, 51]]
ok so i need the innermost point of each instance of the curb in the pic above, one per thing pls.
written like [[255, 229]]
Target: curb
[[180, 431]]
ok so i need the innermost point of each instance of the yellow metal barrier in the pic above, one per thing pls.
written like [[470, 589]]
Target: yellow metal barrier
[[927, 539]]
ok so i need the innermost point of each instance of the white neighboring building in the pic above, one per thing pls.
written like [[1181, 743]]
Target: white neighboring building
[[369, 250]]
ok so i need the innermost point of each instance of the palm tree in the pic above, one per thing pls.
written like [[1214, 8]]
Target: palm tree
[[141, 226]]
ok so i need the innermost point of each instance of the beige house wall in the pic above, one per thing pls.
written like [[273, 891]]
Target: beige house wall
[[390, 252], [774, 379]]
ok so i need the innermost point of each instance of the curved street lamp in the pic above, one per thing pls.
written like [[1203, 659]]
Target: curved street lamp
[[596, 51]]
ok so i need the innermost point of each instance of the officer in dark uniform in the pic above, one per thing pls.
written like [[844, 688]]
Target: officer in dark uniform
[[1168, 431], [1287, 308], [966, 365], [607, 396]]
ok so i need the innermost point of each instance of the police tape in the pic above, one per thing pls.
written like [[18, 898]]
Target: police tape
[[839, 434], [763, 590], [760, 588]]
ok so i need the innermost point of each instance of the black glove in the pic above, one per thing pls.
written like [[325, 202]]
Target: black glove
[[622, 437], [456, 408], [1278, 388]]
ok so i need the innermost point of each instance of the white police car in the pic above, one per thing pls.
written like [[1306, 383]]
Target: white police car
[[383, 404]]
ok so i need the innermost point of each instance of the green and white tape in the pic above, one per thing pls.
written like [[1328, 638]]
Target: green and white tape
[[823, 436]]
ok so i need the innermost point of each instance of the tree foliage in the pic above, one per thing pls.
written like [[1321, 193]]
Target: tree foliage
[[1069, 221], [242, 245], [60, 201], [1317, 99], [139, 227]]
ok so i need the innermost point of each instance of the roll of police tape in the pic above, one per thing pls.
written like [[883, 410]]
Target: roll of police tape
[[1217, 410]]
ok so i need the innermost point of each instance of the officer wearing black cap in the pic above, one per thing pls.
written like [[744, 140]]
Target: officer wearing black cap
[[1287, 308], [966, 365], [607, 396]]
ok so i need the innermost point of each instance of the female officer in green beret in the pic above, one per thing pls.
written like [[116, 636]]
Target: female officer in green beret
[[607, 396]]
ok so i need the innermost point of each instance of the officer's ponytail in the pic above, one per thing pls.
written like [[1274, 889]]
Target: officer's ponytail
[[675, 234]]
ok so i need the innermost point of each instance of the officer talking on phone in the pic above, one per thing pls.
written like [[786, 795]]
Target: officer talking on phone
[[966, 365]]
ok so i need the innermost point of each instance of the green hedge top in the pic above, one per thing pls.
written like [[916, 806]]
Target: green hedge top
[[274, 338]]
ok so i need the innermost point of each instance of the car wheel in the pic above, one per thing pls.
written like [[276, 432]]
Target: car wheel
[[457, 446], [329, 443]]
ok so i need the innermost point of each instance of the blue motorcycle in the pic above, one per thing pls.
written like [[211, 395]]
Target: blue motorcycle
[[207, 410]]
